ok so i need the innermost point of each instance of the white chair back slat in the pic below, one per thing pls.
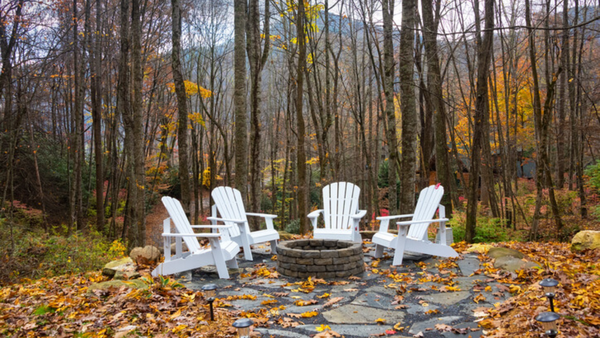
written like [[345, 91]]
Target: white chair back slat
[[328, 205], [340, 201], [428, 202], [231, 206], [181, 222]]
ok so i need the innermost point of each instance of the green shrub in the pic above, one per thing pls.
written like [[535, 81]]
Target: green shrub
[[38, 254], [293, 227], [488, 229]]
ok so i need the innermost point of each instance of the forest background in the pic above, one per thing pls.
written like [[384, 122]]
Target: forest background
[[107, 105]]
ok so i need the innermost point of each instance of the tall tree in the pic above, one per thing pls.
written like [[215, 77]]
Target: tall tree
[[180, 92], [239, 97], [257, 62], [96, 96], [138, 205], [434, 76], [484, 57], [301, 130], [408, 108], [388, 85]]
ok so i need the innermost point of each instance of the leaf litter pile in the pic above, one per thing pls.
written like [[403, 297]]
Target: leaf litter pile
[[66, 307]]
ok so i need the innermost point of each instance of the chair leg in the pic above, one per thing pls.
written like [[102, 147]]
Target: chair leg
[[400, 245], [219, 259], [245, 243], [232, 263], [274, 246], [378, 251]]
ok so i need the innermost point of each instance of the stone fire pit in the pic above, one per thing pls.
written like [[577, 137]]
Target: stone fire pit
[[323, 258]]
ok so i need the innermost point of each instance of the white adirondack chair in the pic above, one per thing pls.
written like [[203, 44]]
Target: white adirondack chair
[[415, 239], [222, 252], [340, 213], [229, 204]]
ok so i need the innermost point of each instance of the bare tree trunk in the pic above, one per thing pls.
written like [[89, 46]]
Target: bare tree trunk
[[96, 90], [239, 98], [483, 67], [442, 161], [182, 142], [408, 108], [388, 55], [137, 120], [300, 151], [77, 146]]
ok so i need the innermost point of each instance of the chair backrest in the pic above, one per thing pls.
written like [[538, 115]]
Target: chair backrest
[[429, 200], [230, 206], [181, 221], [340, 201]]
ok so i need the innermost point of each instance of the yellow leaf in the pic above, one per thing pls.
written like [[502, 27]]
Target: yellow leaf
[[322, 328], [380, 321]]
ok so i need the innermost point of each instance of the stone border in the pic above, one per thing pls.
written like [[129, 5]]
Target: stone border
[[323, 258]]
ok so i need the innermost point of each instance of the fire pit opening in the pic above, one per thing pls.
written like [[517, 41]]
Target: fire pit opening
[[323, 258]]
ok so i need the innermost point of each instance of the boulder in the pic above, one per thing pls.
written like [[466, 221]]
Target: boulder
[[510, 263], [133, 284], [148, 253], [587, 239], [124, 266], [504, 252]]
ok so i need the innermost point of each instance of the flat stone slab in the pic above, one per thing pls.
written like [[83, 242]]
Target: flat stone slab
[[468, 265], [430, 324], [446, 298], [356, 314], [374, 299]]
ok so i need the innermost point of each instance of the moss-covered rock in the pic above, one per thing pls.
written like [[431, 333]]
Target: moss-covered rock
[[587, 239], [510, 263], [132, 284], [504, 252], [124, 265]]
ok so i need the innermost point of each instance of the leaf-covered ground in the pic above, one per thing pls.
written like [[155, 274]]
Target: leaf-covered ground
[[577, 299], [65, 307]]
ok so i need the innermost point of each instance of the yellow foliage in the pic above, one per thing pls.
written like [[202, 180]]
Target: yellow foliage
[[191, 89], [206, 177]]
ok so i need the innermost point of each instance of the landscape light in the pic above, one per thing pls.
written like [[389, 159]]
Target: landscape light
[[548, 321], [549, 286], [243, 327], [210, 291]]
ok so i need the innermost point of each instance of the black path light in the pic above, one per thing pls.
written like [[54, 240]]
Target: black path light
[[210, 291], [549, 286], [243, 327], [548, 321]]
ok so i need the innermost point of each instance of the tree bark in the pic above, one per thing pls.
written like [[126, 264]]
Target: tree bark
[[408, 108], [182, 119], [483, 67], [300, 151], [392, 140], [239, 98]]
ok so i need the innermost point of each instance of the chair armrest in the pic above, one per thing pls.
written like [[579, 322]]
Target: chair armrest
[[206, 234], [313, 217], [261, 215], [211, 226], [315, 213], [217, 219], [382, 218], [439, 220], [359, 215]]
